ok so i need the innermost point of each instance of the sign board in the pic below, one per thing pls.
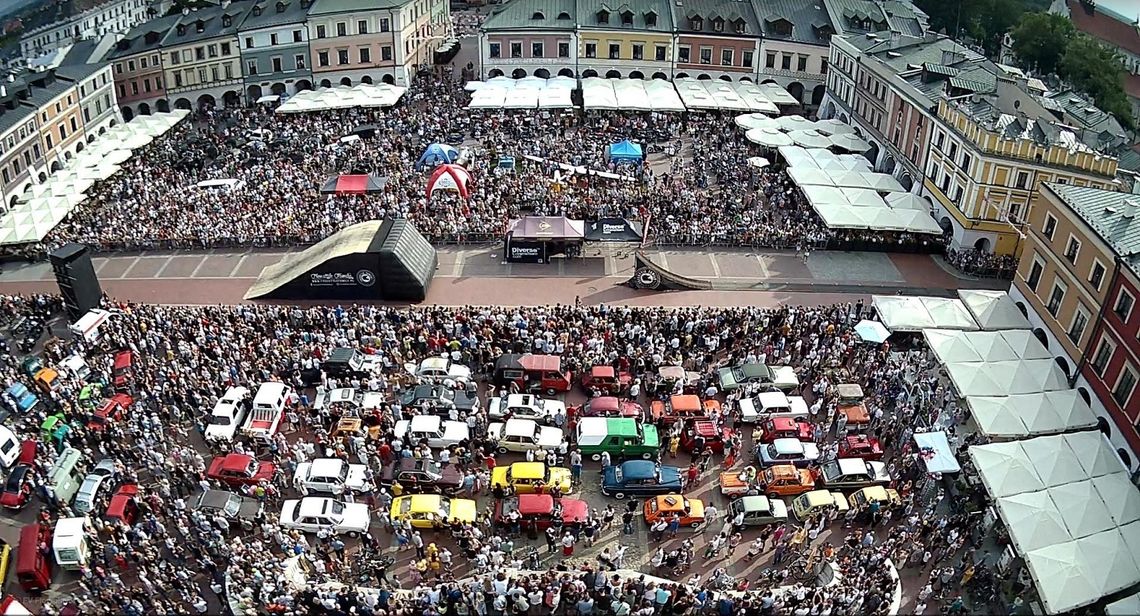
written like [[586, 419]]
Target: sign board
[[523, 251]]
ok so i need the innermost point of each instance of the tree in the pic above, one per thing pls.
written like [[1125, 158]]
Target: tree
[[985, 21], [1096, 70], [1039, 40]]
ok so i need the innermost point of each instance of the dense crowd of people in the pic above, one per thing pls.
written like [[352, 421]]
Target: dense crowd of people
[[177, 560], [984, 264]]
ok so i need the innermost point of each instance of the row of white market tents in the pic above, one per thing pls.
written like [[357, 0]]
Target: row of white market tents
[[632, 94], [43, 206], [709, 95], [525, 93], [1071, 511], [797, 130], [365, 95]]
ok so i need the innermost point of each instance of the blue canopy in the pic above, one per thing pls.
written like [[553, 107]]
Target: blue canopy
[[436, 154], [625, 151]]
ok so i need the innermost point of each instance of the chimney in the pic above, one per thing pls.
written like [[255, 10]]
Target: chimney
[[1129, 209], [3, 91], [951, 57], [11, 78]]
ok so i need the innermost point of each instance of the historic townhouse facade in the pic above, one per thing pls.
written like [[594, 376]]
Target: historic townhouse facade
[[275, 49], [355, 41], [137, 62], [625, 40], [107, 19], [530, 39], [716, 39], [201, 58]]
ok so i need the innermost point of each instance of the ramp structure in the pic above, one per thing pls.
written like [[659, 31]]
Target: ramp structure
[[651, 276], [378, 260]]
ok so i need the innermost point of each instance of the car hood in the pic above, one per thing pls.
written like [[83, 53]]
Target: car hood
[[457, 371], [355, 477], [747, 408], [213, 430], [494, 431], [696, 508], [779, 508], [356, 517], [727, 379], [549, 437], [499, 475], [463, 509], [302, 471], [249, 508], [288, 509], [466, 400], [559, 475], [457, 431]]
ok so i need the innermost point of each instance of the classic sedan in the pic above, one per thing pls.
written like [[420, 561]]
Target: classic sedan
[[525, 477], [311, 514], [853, 473], [799, 428], [860, 446], [640, 478], [422, 475], [608, 406], [432, 429], [524, 435], [525, 406], [691, 511], [539, 511], [330, 475], [738, 376], [18, 488], [432, 510], [788, 451], [238, 469], [439, 400], [239, 510]]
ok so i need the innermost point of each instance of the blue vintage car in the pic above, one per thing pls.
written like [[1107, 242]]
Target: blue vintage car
[[24, 399], [640, 478]]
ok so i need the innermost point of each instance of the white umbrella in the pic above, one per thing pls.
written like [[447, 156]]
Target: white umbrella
[[907, 201], [809, 139], [794, 122], [872, 331], [833, 127], [755, 120], [768, 137], [849, 142], [759, 162]]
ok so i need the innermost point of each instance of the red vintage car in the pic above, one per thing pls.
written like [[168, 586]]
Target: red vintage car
[[122, 370], [532, 373], [706, 429], [607, 406], [110, 411], [124, 507], [788, 427], [861, 446], [677, 407], [18, 488], [237, 469], [606, 380], [538, 510]]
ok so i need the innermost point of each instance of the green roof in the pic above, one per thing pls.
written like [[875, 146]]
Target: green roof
[[329, 7], [622, 426], [532, 15]]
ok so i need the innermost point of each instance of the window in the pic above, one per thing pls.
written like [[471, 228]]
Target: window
[[591, 50], [1055, 299], [131, 65], [516, 50], [201, 75], [322, 58], [365, 55], [786, 62], [1050, 225], [146, 88], [718, 25], [965, 163], [134, 88], [299, 61], [615, 51], [1022, 179], [706, 55], [273, 39], [1077, 327], [321, 31], [638, 51], [801, 64], [342, 56], [1103, 355], [746, 58], [1072, 249], [770, 61], [199, 53], [495, 50], [1125, 383], [627, 18], [536, 50], [385, 25], [1097, 275], [177, 84], [251, 67], [563, 50], [683, 54], [362, 27], [1123, 307], [939, 139], [225, 49], [297, 36], [651, 19], [823, 66], [341, 29], [726, 57], [386, 53], [953, 151]]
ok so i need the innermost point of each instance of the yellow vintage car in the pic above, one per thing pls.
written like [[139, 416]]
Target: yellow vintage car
[[524, 476], [432, 510]]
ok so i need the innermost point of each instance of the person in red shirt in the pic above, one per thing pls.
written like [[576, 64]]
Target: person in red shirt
[[490, 460], [693, 473]]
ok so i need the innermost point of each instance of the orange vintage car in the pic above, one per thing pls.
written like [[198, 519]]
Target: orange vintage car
[[677, 407], [773, 482], [691, 510]]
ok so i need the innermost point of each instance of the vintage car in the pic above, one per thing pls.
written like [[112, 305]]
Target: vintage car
[[873, 494], [818, 501], [432, 510], [640, 478], [417, 476], [439, 370], [860, 446], [238, 469], [313, 513], [608, 406], [773, 482], [607, 380], [772, 404], [539, 510], [433, 429], [852, 415], [622, 438], [330, 475], [525, 406], [439, 399], [99, 478], [525, 477], [24, 399], [239, 510], [123, 508], [788, 451], [17, 488], [349, 427], [355, 399], [344, 363], [703, 433], [690, 510], [799, 428], [849, 473], [677, 407], [110, 411], [228, 413], [523, 435], [532, 373], [759, 510], [734, 377], [669, 376], [122, 370]]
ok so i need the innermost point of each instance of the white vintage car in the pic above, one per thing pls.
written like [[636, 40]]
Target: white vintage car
[[312, 513], [434, 429], [525, 406], [439, 369], [330, 475], [524, 435], [227, 415], [363, 400]]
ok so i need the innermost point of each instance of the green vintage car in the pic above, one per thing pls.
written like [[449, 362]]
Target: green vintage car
[[622, 437]]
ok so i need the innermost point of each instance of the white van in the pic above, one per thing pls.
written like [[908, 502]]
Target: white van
[[65, 475], [76, 367], [70, 542], [268, 408], [9, 447], [89, 326]]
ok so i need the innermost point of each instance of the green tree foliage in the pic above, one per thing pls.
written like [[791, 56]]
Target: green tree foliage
[[1039, 40], [1096, 70], [985, 21]]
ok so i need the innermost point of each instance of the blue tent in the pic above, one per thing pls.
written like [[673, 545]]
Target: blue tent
[[625, 151], [436, 154]]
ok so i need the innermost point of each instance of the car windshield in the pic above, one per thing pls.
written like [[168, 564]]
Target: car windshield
[[405, 506], [219, 420], [13, 483], [432, 469], [233, 505], [337, 508], [447, 395], [444, 508], [831, 470], [343, 474], [251, 470]]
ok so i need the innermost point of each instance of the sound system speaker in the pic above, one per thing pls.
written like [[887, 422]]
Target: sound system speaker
[[78, 283]]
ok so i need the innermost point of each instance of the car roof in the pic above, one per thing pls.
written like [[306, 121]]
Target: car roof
[[312, 505], [754, 369], [552, 363], [340, 354], [602, 372], [670, 502], [519, 427], [435, 363], [528, 470], [770, 399], [788, 445], [784, 423], [756, 503], [852, 466], [849, 390], [784, 471], [620, 426], [215, 498], [604, 403], [430, 502], [593, 426], [875, 493], [235, 461], [426, 390], [535, 504], [521, 400], [421, 423], [638, 469], [234, 394], [687, 402], [326, 466]]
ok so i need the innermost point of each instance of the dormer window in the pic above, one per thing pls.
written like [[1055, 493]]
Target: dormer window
[[200, 26], [696, 22], [181, 29], [538, 16], [780, 26], [226, 21], [627, 17], [718, 24], [257, 11], [280, 7], [564, 16], [603, 16], [739, 26], [651, 19]]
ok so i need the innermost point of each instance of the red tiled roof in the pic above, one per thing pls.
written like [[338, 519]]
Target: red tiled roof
[[1103, 27], [1132, 85]]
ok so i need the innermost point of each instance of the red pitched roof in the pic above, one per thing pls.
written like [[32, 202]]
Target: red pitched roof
[[1104, 27]]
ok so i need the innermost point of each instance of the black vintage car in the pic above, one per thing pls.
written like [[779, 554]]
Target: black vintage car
[[439, 399], [422, 476]]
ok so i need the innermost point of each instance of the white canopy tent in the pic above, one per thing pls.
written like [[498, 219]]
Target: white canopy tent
[[1063, 579], [663, 96], [993, 309], [755, 97], [936, 452], [768, 137], [1025, 415], [1004, 378], [748, 121], [344, 97], [833, 127], [915, 313], [1128, 606], [1033, 521], [777, 94], [961, 346]]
